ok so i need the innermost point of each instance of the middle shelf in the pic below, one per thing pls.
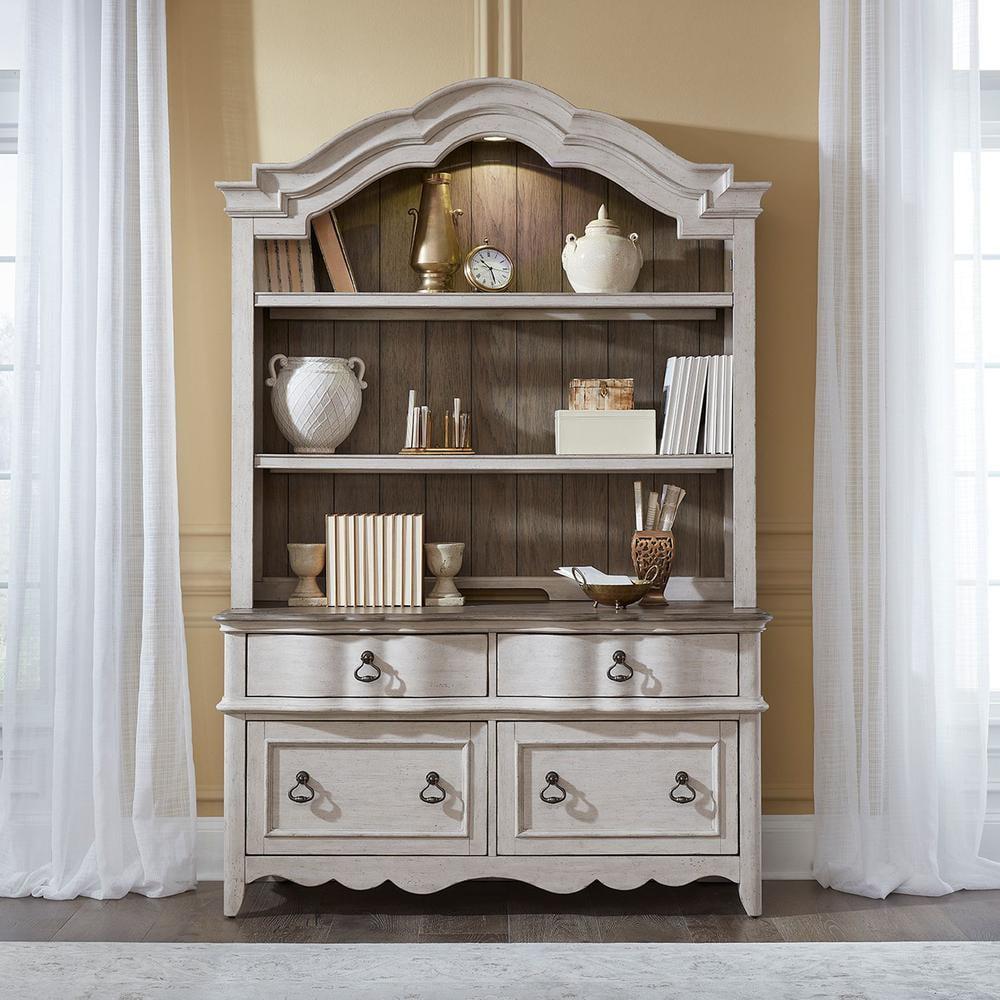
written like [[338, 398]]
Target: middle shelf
[[494, 306], [473, 464]]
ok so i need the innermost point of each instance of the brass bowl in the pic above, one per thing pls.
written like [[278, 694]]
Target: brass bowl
[[616, 595]]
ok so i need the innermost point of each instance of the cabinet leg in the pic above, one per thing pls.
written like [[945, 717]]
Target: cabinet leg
[[750, 895], [232, 896]]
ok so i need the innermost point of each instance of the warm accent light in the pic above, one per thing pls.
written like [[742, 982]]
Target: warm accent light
[[494, 138]]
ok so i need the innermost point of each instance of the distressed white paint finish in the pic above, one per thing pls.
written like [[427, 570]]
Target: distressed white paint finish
[[431, 874], [298, 704], [312, 666], [750, 861], [744, 492], [234, 785], [484, 464], [617, 777], [243, 337], [366, 779], [487, 305], [564, 666], [704, 198], [510, 708]]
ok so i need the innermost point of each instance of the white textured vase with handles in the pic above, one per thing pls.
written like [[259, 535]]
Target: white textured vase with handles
[[602, 260], [316, 401]]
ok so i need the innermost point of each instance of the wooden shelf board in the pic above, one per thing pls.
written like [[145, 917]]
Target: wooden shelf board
[[512, 305], [473, 464]]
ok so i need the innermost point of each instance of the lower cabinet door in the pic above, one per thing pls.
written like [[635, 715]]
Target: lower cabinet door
[[366, 788], [617, 788]]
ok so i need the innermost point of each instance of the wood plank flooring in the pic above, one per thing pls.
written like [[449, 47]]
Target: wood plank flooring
[[491, 911]]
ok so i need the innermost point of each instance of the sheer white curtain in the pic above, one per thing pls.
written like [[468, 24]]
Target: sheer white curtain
[[97, 786], [901, 624]]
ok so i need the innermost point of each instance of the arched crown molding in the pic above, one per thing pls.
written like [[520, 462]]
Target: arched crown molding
[[703, 197]]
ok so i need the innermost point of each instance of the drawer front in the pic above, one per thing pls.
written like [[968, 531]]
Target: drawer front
[[653, 666], [613, 783], [364, 786], [335, 666]]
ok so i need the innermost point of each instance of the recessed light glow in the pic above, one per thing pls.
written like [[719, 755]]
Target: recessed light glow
[[494, 138]]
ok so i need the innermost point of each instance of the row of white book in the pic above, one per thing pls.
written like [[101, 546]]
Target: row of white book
[[698, 406], [375, 560]]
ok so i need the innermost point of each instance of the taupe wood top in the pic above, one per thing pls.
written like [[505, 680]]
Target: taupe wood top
[[540, 616]]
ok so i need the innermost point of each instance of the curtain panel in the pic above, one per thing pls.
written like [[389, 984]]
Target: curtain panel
[[97, 786], [900, 618]]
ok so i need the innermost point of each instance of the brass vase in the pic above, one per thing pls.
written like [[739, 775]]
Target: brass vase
[[653, 549], [434, 250]]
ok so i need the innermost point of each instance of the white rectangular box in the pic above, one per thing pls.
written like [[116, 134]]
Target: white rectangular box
[[605, 432]]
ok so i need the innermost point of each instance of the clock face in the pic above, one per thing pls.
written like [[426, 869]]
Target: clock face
[[489, 269]]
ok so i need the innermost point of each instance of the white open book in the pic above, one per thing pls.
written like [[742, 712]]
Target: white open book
[[592, 575]]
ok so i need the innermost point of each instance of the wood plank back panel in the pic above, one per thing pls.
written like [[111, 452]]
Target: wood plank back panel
[[512, 376]]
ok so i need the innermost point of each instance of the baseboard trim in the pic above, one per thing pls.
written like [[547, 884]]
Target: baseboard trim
[[787, 847]]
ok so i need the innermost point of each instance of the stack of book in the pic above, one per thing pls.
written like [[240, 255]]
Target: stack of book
[[288, 266], [375, 560], [698, 406]]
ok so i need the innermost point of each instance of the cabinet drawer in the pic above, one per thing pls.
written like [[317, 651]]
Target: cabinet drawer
[[617, 779], [363, 784], [653, 666], [333, 666]]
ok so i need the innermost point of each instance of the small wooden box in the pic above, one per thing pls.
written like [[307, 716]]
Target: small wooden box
[[602, 394], [605, 432]]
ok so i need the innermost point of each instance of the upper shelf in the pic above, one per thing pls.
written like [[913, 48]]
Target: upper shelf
[[592, 464], [486, 305]]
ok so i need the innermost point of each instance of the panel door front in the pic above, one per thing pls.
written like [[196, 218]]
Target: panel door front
[[605, 788], [366, 788]]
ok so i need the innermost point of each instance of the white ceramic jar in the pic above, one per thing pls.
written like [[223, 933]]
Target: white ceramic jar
[[602, 260], [316, 401]]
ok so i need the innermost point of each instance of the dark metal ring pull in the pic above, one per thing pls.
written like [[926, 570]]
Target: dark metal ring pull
[[433, 780], [552, 781], [367, 660], [683, 781], [301, 781], [615, 670]]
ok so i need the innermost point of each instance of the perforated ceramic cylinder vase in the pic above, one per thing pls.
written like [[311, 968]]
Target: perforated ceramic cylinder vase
[[653, 548], [316, 401]]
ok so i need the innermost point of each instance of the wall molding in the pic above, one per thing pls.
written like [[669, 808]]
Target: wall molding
[[496, 34]]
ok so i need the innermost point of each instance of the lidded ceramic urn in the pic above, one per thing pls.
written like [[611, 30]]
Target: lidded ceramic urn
[[602, 260], [316, 401]]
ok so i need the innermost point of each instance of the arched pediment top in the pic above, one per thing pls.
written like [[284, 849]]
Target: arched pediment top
[[703, 197]]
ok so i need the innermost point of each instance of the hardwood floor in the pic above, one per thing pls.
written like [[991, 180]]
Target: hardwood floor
[[501, 911]]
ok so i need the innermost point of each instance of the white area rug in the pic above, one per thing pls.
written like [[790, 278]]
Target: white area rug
[[903, 971]]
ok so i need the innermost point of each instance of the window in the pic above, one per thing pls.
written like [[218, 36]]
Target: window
[[977, 306], [8, 249]]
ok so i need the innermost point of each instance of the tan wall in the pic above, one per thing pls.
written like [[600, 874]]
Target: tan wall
[[717, 81]]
